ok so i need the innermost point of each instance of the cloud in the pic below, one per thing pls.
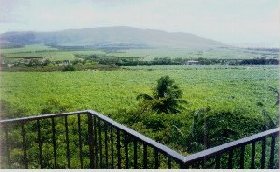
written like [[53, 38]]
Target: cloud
[[7, 11]]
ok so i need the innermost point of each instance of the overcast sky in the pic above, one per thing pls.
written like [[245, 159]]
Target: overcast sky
[[228, 21]]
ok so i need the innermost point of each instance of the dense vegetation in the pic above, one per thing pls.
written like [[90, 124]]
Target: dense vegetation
[[101, 62], [230, 98], [40, 57], [227, 98]]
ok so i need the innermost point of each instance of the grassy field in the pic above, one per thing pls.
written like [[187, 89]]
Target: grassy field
[[27, 48], [43, 51], [107, 91], [219, 53]]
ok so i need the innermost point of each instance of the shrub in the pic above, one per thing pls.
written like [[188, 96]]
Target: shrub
[[212, 127], [69, 68]]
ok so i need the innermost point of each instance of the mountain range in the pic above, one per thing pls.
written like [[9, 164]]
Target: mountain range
[[120, 36]]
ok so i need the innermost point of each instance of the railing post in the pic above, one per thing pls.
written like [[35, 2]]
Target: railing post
[[54, 141], [112, 146], [95, 143], [126, 150], [218, 162], [67, 141], [156, 158], [25, 161], [263, 154], [168, 162], [90, 140], [100, 144], [80, 141], [230, 157], [271, 159], [241, 161], [253, 155], [119, 149], [7, 147], [184, 165], [40, 143], [145, 156], [135, 161], [106, 145]]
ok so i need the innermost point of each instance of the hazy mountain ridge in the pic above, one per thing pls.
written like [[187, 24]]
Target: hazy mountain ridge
[[111, 36]]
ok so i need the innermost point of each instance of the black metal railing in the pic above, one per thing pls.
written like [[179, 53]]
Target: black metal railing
[[87, 139]]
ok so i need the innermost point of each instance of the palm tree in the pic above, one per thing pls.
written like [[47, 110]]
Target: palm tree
[[166, 97]]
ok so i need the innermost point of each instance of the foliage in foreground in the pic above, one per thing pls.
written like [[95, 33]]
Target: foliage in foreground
[[166, 98], [239, 98]]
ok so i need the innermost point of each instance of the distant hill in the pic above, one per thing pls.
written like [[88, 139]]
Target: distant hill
[[126, 37]]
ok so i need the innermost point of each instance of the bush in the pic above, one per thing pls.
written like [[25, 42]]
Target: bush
[[212, 127], [69, 68]]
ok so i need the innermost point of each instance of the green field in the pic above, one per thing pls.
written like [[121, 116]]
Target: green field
[[43, 51], [106, 91], [236, 91], [219, 53], [54, 54], [28, 48]]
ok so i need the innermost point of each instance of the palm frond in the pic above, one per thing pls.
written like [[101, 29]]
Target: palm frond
[[144, 97]]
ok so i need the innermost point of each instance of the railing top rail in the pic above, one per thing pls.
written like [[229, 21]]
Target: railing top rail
[[44, 116], [227, 146]]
